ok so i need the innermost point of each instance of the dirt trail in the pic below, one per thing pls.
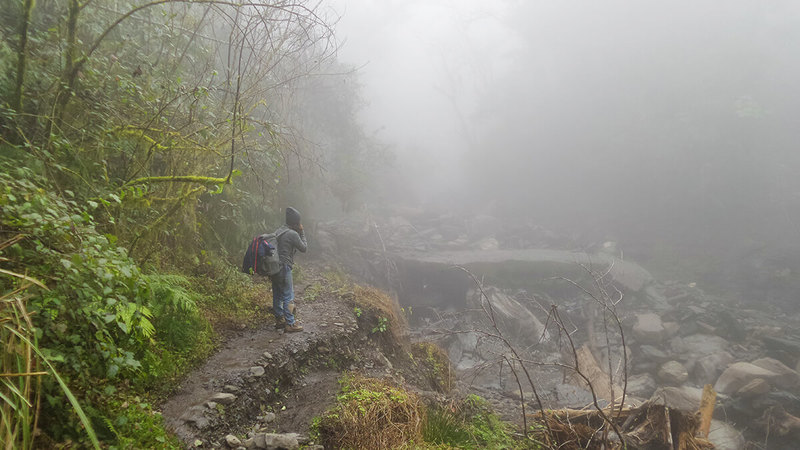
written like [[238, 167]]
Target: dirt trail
[[262, 371]]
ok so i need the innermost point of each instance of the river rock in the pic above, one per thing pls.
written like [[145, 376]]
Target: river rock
[[737, 375], [673, 373], [684, 398], [786, 379], [707, 369], [648, 328], [725, 437], [651, 353], [641, 385], [758, 386], [698, 345]]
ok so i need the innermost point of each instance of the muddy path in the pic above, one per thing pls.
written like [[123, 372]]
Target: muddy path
[[264, 378]]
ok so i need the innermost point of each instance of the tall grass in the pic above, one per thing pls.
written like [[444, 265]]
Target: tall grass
[[21, 365]]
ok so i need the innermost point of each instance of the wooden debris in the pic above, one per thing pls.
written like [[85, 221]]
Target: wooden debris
[[707, 403], [646, 427]]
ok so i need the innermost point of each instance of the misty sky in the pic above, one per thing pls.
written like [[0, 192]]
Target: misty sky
[[671, 118]]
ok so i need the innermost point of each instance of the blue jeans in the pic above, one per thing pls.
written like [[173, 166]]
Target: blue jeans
[[283, 294]]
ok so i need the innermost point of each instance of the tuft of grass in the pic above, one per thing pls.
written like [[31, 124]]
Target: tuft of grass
[[371, 413], [470, 424], [435, 363]]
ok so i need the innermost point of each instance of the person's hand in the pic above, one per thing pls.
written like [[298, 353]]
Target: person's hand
[[300, 227]]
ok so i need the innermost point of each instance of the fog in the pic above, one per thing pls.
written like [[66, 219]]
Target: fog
[[670, 127]]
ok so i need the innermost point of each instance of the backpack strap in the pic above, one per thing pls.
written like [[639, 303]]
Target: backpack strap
[[255, 257]]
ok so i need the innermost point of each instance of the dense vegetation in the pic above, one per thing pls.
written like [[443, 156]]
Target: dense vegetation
[[142, 144]]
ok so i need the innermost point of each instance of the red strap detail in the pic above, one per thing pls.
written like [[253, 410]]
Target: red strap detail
[[255, 257]]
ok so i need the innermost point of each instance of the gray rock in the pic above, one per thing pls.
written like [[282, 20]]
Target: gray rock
[[257, 371], [223, 398], [684, 398], [737, 375], [233, 441], [231, 389], [648, 328], [641, 385], [571, 396], [786, 379], [267, 355], [269, 417], [725, 437], [673, 373], [651, 353], [211, 405], [707, 368], [759, 386], [698, 345], [273, 441]]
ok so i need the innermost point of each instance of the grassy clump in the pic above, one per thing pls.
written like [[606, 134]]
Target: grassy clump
[[371, 413], [470, 424], [435, 364]]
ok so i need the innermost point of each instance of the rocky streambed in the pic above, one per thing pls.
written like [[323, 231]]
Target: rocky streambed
[[677, 338]]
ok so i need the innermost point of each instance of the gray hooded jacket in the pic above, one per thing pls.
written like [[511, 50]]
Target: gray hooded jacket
[[289, 241]]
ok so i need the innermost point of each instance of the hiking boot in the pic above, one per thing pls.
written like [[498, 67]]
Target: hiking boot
[[293, 328], [281, 324]]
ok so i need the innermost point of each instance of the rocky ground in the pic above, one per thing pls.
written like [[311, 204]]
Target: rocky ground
[[678, 338], [264, 387]]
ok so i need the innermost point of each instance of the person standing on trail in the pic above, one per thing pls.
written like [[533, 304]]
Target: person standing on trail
[[290, 239]]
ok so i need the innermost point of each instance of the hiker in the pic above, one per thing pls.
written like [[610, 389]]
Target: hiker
[[290, 239]]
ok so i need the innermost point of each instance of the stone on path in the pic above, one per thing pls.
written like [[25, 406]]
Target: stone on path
[[223, 398], [233, 441], [273, 441]]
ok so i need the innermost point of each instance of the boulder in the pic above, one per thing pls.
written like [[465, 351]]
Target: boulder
[[786, 379], [684, 398], [737, 375], [725, 437], [648, 329], [707, 368], [653, 354], [759, 386], [696, 346], [518, 320], [641, 385], [673, 373]]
